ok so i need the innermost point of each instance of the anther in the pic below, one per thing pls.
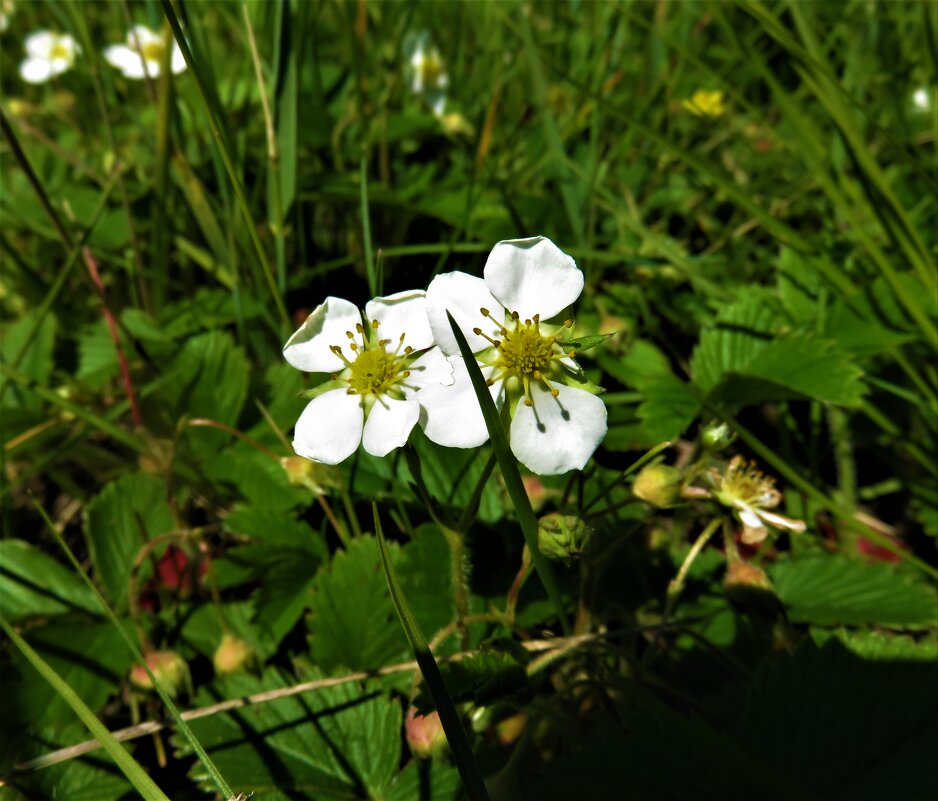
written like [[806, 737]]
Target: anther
[[515, 315], [408, 350], [568, 323], [484, 312], [477, 331], [374, 323], [349, 334]]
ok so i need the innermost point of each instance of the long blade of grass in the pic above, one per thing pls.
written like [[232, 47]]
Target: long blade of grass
[[223, 150], [455, 733], [187, 732], [510, 474], [135, 774]]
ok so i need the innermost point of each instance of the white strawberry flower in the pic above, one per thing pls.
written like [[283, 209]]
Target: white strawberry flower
[[142, 55], [379, 367], [752, 495], [428, 75], [47, 54], [556, 424]]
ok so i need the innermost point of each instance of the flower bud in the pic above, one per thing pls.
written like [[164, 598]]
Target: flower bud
[[716, 435], [231, 655], [562, 538], [425, 735], [659, 485], [170, 670], [748, 587]]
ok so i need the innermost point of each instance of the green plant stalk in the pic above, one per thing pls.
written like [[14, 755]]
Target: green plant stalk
[[164, 108], [187, 732], [676, 585], [135, 774], [222, 144], [373, 287], [34, 181], [452, 726], [510, 474], [102, 424], [63, 274]]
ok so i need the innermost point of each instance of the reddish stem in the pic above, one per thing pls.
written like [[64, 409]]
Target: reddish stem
[[92, 266]]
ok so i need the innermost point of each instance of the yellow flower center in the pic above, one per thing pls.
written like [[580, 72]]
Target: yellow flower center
[[59, 50], [525, 353], [152, 51], [373, 369], [745, 483], [431, 70]]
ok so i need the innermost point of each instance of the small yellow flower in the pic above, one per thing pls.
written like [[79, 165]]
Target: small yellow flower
[[705, 103], [751, 494]]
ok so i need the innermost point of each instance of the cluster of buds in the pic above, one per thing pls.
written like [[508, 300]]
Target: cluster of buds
[[562, 538]]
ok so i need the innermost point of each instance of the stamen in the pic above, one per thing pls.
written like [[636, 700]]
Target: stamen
[[484, 312]]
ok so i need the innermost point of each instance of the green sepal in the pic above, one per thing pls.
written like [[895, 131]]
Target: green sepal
[[581, 344], [326, 386]]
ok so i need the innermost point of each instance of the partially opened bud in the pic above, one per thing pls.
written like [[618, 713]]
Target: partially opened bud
[[170, 669], [748, 587], [562, 538], [659, 485], [425, 735], [232, 655]]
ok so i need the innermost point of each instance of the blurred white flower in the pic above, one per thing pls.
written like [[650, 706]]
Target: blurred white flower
[[556, 424], [142, 55], [379, 370], [428, 76], [47, 55], [921, 99], [6, 11]]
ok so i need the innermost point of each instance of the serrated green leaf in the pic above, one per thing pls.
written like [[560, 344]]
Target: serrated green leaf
[[113, 522], [36, 584], [882, 645], [277, 528], [36, 362], [668, 408], [88, 656], [97, 356], [829, 590], [749, 357], [352, 621], [256, 477], [337, 743], [285, 592]]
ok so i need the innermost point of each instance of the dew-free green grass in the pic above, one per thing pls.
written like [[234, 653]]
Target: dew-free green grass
[[683, 547]]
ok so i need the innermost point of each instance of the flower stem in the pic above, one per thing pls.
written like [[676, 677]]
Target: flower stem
[[676, 586], [459, 577]]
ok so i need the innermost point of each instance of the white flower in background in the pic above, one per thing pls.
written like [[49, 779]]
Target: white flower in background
[[751, 494], [47, 55], [378, 366], [921, 99], [6, 11], [142, 55], [556, 425], [428, 76]]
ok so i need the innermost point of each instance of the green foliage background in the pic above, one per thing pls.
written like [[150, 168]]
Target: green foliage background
[[771, 267]]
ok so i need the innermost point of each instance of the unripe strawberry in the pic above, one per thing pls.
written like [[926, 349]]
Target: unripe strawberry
[[659, 485], [170, 670], [425, 735], [231, 655], [562, 538]]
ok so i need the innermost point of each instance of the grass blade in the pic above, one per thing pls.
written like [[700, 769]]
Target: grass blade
[[509, 468], [135, 774], [449, 717], [206, 760]]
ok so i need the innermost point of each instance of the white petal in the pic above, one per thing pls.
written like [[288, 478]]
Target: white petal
[[450, 415], [141, 36], [36, 70], [532, 276], [40, 44], [178, 62], [126, 60], [402, 313], [389, 424], [308, 348], [748, 515], [557, 434], [782, 522], [463, 295], [330, 427], [58, 65], [431, 369]]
